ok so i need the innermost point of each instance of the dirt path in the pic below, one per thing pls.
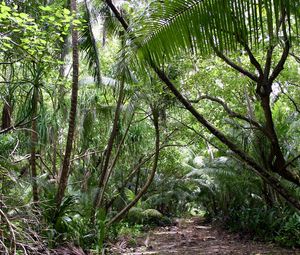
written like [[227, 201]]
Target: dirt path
[[191, 237]]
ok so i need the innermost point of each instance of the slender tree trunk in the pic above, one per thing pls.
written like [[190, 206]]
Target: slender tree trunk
[[6, 114], [34, 141], [128, 178], [54, 156], [116, 157], [137, 181], [58, 101], [104, 37], [72, 117], [150, 178], [100, 190]]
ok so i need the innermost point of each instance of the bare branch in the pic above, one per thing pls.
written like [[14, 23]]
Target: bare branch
[[292, 161], [234, 65], [290, 98], [19, 124], [279, 67], [117, 14], [11, 230], [253, 60], [230, 112], [295, 57]]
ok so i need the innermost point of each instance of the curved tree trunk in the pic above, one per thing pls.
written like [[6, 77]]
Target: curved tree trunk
[[150, 178], [63, 182], [115, 159]]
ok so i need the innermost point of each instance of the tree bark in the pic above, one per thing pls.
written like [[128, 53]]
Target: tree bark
[[72, 116]]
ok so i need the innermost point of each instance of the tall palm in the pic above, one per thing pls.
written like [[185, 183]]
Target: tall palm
[[72, 117], [34, 141]]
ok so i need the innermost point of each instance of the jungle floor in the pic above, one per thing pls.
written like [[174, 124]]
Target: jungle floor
[[191, 237]]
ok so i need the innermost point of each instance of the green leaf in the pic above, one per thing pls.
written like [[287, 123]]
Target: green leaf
[[46, 8]]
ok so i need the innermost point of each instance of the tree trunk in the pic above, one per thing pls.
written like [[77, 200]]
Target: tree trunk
[[72, 117], [100, 190], [34, 141], [150, 178], [6, 114], [276, 154], [137, 181]]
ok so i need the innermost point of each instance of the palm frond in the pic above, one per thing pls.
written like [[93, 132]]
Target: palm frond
[[111, 25], [202, 25], [88, 44]]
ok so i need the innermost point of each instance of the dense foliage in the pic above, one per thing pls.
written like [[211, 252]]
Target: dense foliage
[[117, 115]]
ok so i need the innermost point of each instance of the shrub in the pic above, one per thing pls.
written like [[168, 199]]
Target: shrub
[[152, 217], [289, 234]]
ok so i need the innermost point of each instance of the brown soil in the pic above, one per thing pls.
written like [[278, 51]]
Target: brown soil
[[191, 237]]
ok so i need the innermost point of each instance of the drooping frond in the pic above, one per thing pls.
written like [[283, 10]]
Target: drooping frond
[[88, 44], [202, 25], [111, 25]]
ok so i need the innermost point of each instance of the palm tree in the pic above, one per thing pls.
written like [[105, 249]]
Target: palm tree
[[34, 141], [220, 27], [72, 117]]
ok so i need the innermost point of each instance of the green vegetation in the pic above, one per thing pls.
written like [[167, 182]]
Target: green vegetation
[[121, 115]]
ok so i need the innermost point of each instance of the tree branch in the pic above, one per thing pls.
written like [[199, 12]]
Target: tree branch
[[290, 98], [253, 60], [19, 124], [230, 112], [295, 57], [238, 68], [117, 14], [280, 66]]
